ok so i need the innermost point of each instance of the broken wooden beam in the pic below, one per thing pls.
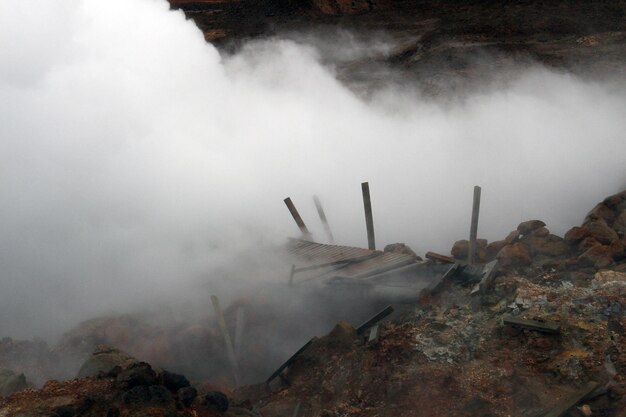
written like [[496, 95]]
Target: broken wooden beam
[[544, 327], [568, 403], [369, 220], [443, 258], [374, 320], [322, 214], [435, 284], [471, 255], [227, 340], [289, 361], [296, 216]]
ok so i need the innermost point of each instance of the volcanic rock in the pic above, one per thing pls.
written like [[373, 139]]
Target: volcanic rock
[[11, 382], [172, 381], [343, 334], [493, 248], [528, 226], [137, 374], [512, 237], [400, 248], [601, 231], [514, 255], [601, 212], [186, 395], [217, 400], [620, 224], [103, 360], [142, 394], [598, 256], [460, 249], [576, 234]]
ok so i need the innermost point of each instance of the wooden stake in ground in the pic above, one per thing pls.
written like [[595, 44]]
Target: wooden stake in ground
[[296, 216], [369, 220], [471, 255], [229, 344], [320, 212]]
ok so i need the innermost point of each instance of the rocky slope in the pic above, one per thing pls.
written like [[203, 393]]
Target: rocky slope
[[546, 337], [441, 44]]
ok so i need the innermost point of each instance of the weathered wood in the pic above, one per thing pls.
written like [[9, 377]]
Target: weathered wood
[[545, 327], [289, 361], [373, 334], [296, 216], [565, 405], [291, 274], [443, 258], [227, 340], [239, 325], [296, 410], [471, 255], [489, 275], [369, 220], [322, 214], [374, 320]]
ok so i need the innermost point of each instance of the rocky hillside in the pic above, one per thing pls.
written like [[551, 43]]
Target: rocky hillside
[[541, 334], [437, 42]]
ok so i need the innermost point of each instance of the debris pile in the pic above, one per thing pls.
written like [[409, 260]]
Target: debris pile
[[598, 243], [537, 331]]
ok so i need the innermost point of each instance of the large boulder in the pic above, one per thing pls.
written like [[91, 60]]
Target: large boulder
[[576, 234], [400, 248], [528, 226], [514, 255], [460, 249], [620, 224], [600, 230], [11, 382], [598, 256], [601, 212], [103, 360]]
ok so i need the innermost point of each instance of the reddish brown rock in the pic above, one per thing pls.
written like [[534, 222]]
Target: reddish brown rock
[[516, 254], [598, 256], [528, 226], [602, 232], [576, 234], [541, 232], [615, 200], [554, 247], [400, 248], [619, 250], [512, 237], [601, 212], [493, 248], [341, 7], [460, 249], [620, 224]]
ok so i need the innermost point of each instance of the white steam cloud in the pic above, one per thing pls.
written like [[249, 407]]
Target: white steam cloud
[[135, 161]]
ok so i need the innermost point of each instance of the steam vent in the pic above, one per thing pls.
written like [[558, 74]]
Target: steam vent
[[149, 269]]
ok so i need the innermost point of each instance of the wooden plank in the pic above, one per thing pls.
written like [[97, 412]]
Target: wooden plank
[[443, 258], [545, 327], [568, 403], [374, 320], [369, 220], [489, 276], [471, 255], [227, 340], [373, 334], [289, 361], [322, 214], [296, 216]]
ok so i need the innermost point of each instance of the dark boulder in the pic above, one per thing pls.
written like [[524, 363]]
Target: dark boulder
[[173, 381], [139, 374], [186, 395], [217, 400], [528, 226]]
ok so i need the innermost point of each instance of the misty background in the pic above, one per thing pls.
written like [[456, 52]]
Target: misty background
[[142, 168]]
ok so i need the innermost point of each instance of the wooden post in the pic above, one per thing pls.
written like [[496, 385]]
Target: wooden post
[[296, 216], [471, 255], [229, 344], [369, 221], [239, 325], [320, 211]]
